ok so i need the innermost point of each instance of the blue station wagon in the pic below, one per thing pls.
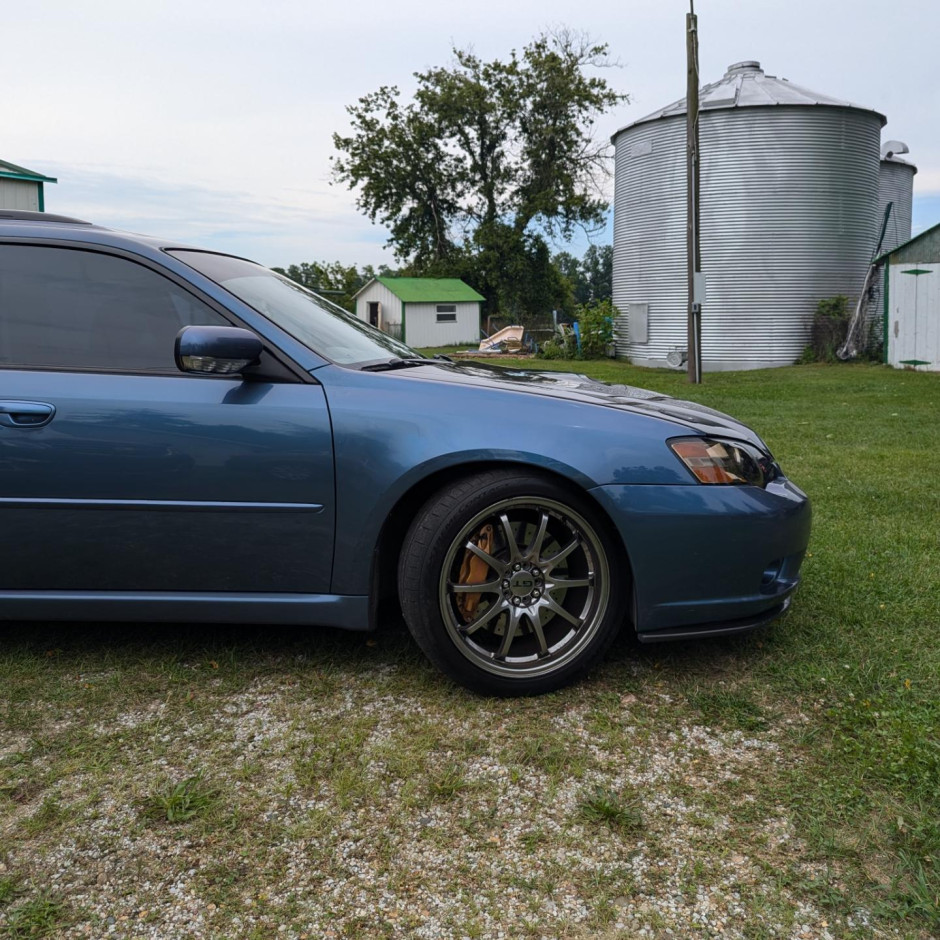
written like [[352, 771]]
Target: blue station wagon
[[188, 436]]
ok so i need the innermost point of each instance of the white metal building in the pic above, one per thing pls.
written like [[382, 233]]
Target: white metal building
[[912, 303], [422, 311], [22, 189]]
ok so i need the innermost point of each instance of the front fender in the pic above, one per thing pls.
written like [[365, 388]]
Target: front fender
[[391, 432]]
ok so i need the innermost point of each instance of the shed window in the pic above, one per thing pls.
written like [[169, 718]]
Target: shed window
[[446, 313], [447, 308]]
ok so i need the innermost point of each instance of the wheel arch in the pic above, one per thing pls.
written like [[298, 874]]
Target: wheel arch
[[383, 594]]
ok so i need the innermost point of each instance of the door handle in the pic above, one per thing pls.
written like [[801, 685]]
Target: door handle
[[25, 414]]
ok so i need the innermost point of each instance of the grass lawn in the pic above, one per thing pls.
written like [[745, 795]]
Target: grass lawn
[[173, 782]]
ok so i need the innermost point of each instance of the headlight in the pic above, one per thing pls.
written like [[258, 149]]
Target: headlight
[[725, 462]]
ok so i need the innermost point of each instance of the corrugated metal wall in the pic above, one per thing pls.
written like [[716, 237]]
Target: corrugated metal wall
[[19, 194], [389, 311], [896, 185], [789, 212], [422, 328]]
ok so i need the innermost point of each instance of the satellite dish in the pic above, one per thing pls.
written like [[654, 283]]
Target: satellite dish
[[677, 358]]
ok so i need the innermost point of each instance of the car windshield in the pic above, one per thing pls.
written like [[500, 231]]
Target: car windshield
[[320, 325]]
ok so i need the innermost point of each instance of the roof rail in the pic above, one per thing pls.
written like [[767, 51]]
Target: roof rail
[[20, 215]]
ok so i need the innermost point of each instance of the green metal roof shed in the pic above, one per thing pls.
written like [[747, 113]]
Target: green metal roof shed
[[422, 311], [912, 303], [21, 188]]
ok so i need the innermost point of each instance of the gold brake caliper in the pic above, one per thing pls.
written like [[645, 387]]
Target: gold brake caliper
[[473, 570]]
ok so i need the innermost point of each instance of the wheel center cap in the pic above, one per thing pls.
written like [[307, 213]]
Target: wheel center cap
[[523, 583]]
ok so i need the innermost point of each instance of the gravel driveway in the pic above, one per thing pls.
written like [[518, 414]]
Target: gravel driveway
[[273, 790]]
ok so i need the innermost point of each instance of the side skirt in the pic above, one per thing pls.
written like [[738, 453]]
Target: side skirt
[[328, 610]]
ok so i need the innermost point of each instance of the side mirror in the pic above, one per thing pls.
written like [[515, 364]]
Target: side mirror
[[217, 350]]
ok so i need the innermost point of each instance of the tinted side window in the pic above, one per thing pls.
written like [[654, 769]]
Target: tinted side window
[[73, 309]]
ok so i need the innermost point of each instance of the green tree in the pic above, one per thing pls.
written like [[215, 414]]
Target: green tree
[[336, 281], [597, 268], [589, 278], [488, 162], [569, 268]]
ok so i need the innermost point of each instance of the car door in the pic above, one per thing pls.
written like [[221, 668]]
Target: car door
[[118, 473]]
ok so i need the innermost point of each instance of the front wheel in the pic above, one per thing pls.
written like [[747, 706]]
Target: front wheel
[[511, 584]]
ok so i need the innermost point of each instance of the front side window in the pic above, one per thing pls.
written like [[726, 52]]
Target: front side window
[[67, 308], [328, 330]]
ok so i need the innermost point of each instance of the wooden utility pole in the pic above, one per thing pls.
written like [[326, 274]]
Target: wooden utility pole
[[694, 338]]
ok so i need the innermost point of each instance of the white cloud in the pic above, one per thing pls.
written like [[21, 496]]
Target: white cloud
[[213, 121], [276, 228]]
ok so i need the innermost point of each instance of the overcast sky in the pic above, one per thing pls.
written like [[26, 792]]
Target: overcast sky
[[211, 122]]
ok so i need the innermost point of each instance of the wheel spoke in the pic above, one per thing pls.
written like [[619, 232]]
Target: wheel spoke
[[558, 584], [488, 587], [470, 628], [494, 563], [511, 627], [556, 608], [534, 551], [536, 622], [550, 563], [514, 553]]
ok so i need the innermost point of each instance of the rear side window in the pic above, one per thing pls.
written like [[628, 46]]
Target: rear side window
[[74, 309]]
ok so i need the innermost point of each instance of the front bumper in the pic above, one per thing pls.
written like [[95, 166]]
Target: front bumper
[[709, 560]]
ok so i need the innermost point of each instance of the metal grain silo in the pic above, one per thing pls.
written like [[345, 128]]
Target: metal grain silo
[[895, 185], [789, 204]]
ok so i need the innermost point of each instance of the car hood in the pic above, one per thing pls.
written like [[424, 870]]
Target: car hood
[[572, 386]]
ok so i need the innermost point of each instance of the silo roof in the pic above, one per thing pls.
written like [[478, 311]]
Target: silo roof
[[745, 85]]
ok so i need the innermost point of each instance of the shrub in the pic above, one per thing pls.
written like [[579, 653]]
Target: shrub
[[827, 334], [595, 323], [554, 348]]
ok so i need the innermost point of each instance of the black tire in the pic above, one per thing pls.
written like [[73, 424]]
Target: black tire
[[553, 595]]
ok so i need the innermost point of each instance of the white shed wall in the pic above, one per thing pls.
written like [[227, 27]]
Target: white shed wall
[[389, 309], [19, 194], [914, 316], [422, 328]]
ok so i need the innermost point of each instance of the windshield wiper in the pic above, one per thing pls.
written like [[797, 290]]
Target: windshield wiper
[[386, 365]]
